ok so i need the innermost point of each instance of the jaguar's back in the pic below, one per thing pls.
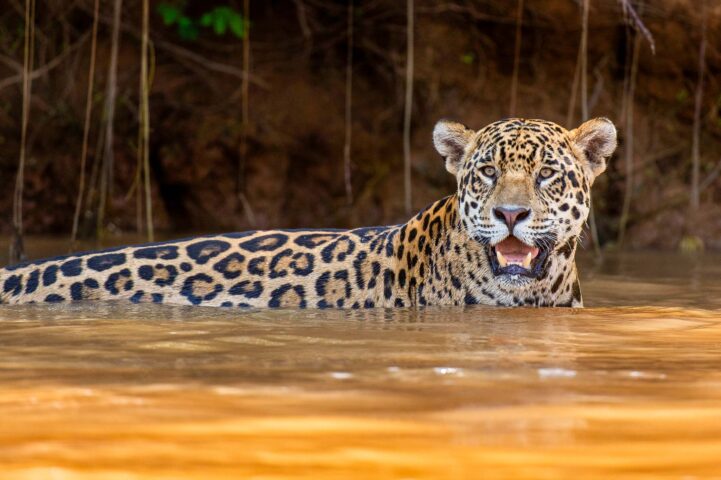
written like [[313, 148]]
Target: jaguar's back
[[281, 268]]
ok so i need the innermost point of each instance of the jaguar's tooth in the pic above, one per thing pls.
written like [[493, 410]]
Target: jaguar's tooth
[[527, 261], [501, 259]]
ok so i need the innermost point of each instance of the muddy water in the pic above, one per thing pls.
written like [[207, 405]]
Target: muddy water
[[628, 388]]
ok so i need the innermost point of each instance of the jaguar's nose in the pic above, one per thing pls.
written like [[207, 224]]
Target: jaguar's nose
[[511, 215]]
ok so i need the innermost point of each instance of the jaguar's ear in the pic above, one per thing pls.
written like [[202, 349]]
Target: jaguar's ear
[[450, 139], [595, 142]]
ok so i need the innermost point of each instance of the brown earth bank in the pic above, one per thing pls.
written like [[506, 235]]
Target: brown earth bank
[[293, 175]]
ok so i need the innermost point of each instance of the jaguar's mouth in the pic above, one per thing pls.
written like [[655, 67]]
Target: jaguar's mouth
[[513, 257]]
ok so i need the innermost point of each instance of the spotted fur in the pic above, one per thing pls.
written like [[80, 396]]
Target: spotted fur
[[441, 256]]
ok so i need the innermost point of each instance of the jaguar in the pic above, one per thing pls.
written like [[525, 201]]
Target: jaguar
[[506, 237]]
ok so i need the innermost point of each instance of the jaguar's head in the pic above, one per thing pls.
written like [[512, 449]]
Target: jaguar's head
[[524, 189]]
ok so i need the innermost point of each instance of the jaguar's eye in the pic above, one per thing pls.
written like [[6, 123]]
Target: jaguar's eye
[[546, 173], [490, 172]]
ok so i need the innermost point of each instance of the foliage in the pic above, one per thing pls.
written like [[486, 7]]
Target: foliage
[[682, 96], [468, 58], [222, 19]]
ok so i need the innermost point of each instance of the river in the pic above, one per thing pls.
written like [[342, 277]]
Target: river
[[629, 387]]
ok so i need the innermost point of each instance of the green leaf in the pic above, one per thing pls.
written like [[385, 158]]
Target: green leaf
[[237, 25], [225, 12], [682, 95], [222, 15], [187, 29], [468, 58], [207, 19], [224, 18], [170, 13]]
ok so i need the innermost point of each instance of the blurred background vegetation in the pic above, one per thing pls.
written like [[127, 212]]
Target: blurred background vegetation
[[248, 114]]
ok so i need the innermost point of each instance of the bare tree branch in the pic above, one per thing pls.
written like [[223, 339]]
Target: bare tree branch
[[111, 91], [516, 59], [408, 108], [348, 109], [145, 79], [17, 250], [40, 71], [86, 127], [629, 147], [696, 141], [630, 13], [245, 119]]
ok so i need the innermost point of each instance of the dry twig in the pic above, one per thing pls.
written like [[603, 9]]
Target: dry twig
[[635, 18], [516, 59], [574, 90], [86, 127], [40, 71], [145, 121], [408, 108], [629, 146], [245, 119], [106, 172], [348, 109], [17, 250], [696, 147]]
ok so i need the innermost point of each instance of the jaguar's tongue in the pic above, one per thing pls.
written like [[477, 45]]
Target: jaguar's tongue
[[512, 251]]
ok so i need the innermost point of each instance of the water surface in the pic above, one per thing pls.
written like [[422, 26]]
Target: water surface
[[627, 388]]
